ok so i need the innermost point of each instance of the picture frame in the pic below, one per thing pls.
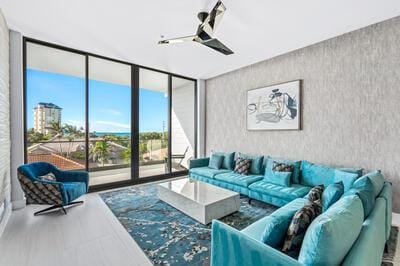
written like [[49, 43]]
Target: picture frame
[[275, 107]]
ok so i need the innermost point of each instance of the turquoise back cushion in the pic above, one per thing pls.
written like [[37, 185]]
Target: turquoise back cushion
[[315, 174], [377, 180], [295, 177], [332, 194], [364, 188], [278, 178], [256, 163], [228, 161], [215, 161], [331, 235], [358, 171]]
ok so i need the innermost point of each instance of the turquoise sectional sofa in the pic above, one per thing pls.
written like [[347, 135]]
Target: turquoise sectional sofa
[[353, 231]]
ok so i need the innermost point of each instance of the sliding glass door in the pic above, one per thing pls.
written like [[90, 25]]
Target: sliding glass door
[[124, 123], [153, 123], [109, 121]]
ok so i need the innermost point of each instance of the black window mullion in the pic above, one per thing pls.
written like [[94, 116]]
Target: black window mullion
[[87, 112], [134, 122], [169, 124]]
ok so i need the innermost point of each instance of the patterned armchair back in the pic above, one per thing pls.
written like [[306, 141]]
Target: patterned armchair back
[[38, 191]]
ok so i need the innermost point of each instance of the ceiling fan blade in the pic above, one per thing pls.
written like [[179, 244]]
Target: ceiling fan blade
[[218, 46], [210, 23], [178, 40]]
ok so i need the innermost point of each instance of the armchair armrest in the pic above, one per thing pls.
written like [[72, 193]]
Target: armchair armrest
[[72, 176], [230, 247], [201, 162]]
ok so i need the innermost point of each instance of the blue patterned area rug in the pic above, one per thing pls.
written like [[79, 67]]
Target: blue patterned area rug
[[166, 235]]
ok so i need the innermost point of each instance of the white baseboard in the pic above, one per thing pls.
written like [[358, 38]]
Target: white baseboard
[[19, 204], [6, 217], [395, 219]]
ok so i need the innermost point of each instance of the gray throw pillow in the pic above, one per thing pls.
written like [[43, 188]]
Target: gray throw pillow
[[298, 227], [242, 166], [48, 177], [316, 193]]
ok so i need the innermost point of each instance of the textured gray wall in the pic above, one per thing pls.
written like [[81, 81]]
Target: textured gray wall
[[351, 103], [4, 122]]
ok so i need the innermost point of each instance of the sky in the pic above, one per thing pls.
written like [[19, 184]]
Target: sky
[[109, 104]]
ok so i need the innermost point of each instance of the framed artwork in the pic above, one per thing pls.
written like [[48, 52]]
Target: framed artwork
[[275, 107]]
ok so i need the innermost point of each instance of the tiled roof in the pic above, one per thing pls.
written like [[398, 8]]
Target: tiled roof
[[57, 160]]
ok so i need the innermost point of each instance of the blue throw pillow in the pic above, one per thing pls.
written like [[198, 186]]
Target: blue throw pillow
[[377, 181], [278, 178], [332, 194], [229, 159], [364, 188], [256, 163], [295, 178], [215, 161]]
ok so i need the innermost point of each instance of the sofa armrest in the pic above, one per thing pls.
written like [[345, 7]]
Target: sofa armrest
[[72, 176], [234, 248], [201, 162], [386, 193]]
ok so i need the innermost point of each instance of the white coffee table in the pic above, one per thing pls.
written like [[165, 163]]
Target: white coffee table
[[199, 200]]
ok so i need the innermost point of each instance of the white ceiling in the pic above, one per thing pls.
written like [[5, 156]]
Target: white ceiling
[[130, 29]]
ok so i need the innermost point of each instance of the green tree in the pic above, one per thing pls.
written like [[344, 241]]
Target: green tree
[[72, 132], [57, 131], [100, 151], [126, 154]]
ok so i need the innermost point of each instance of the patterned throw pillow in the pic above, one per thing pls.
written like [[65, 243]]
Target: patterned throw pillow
[[48, 177], [316, 193], [282, 167], [242, 166], [298, 227]]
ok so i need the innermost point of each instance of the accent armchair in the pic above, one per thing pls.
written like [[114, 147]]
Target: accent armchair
[[61, 192]]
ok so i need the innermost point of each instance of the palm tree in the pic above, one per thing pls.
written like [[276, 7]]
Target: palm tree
[[58, 131], [100, 151], [126, 154], [72, 132]]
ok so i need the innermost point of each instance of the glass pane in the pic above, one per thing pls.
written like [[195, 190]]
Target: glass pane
[[153, 123], [55, 107], [182, 123], [109, 121]]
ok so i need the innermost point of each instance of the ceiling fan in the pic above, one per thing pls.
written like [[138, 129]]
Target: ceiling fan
[[205, 31]]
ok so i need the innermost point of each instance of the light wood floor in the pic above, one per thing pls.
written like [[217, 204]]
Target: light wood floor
[[89, 235]]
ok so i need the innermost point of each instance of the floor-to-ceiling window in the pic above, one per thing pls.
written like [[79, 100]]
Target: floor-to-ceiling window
[[109, 121], [123, 123], [55, 107], [153, 123]]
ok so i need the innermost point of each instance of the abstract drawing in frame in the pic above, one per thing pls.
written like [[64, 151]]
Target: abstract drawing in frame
[[275, 107]]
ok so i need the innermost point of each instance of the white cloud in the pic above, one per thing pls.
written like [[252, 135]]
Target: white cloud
[[112, 112]]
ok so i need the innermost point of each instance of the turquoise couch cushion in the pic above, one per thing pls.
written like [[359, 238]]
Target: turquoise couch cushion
[[74, 190], [207, 171], [377, 180], [364, 188], [295, 178], [358, 171], [278, 178], [315, 174], [386, 194], [272, 228], [332, 194], [368, 248], [229, 159], [215, 161], [256, 163], [331, 235], [238, 179], [287, 193]]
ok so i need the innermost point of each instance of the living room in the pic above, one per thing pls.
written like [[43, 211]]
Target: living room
[[199, 133]]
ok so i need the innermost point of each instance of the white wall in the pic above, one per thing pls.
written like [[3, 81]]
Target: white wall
[[17, 117], [182, 121]]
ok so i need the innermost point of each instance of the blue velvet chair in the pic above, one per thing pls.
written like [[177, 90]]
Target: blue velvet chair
[[61, 192]]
